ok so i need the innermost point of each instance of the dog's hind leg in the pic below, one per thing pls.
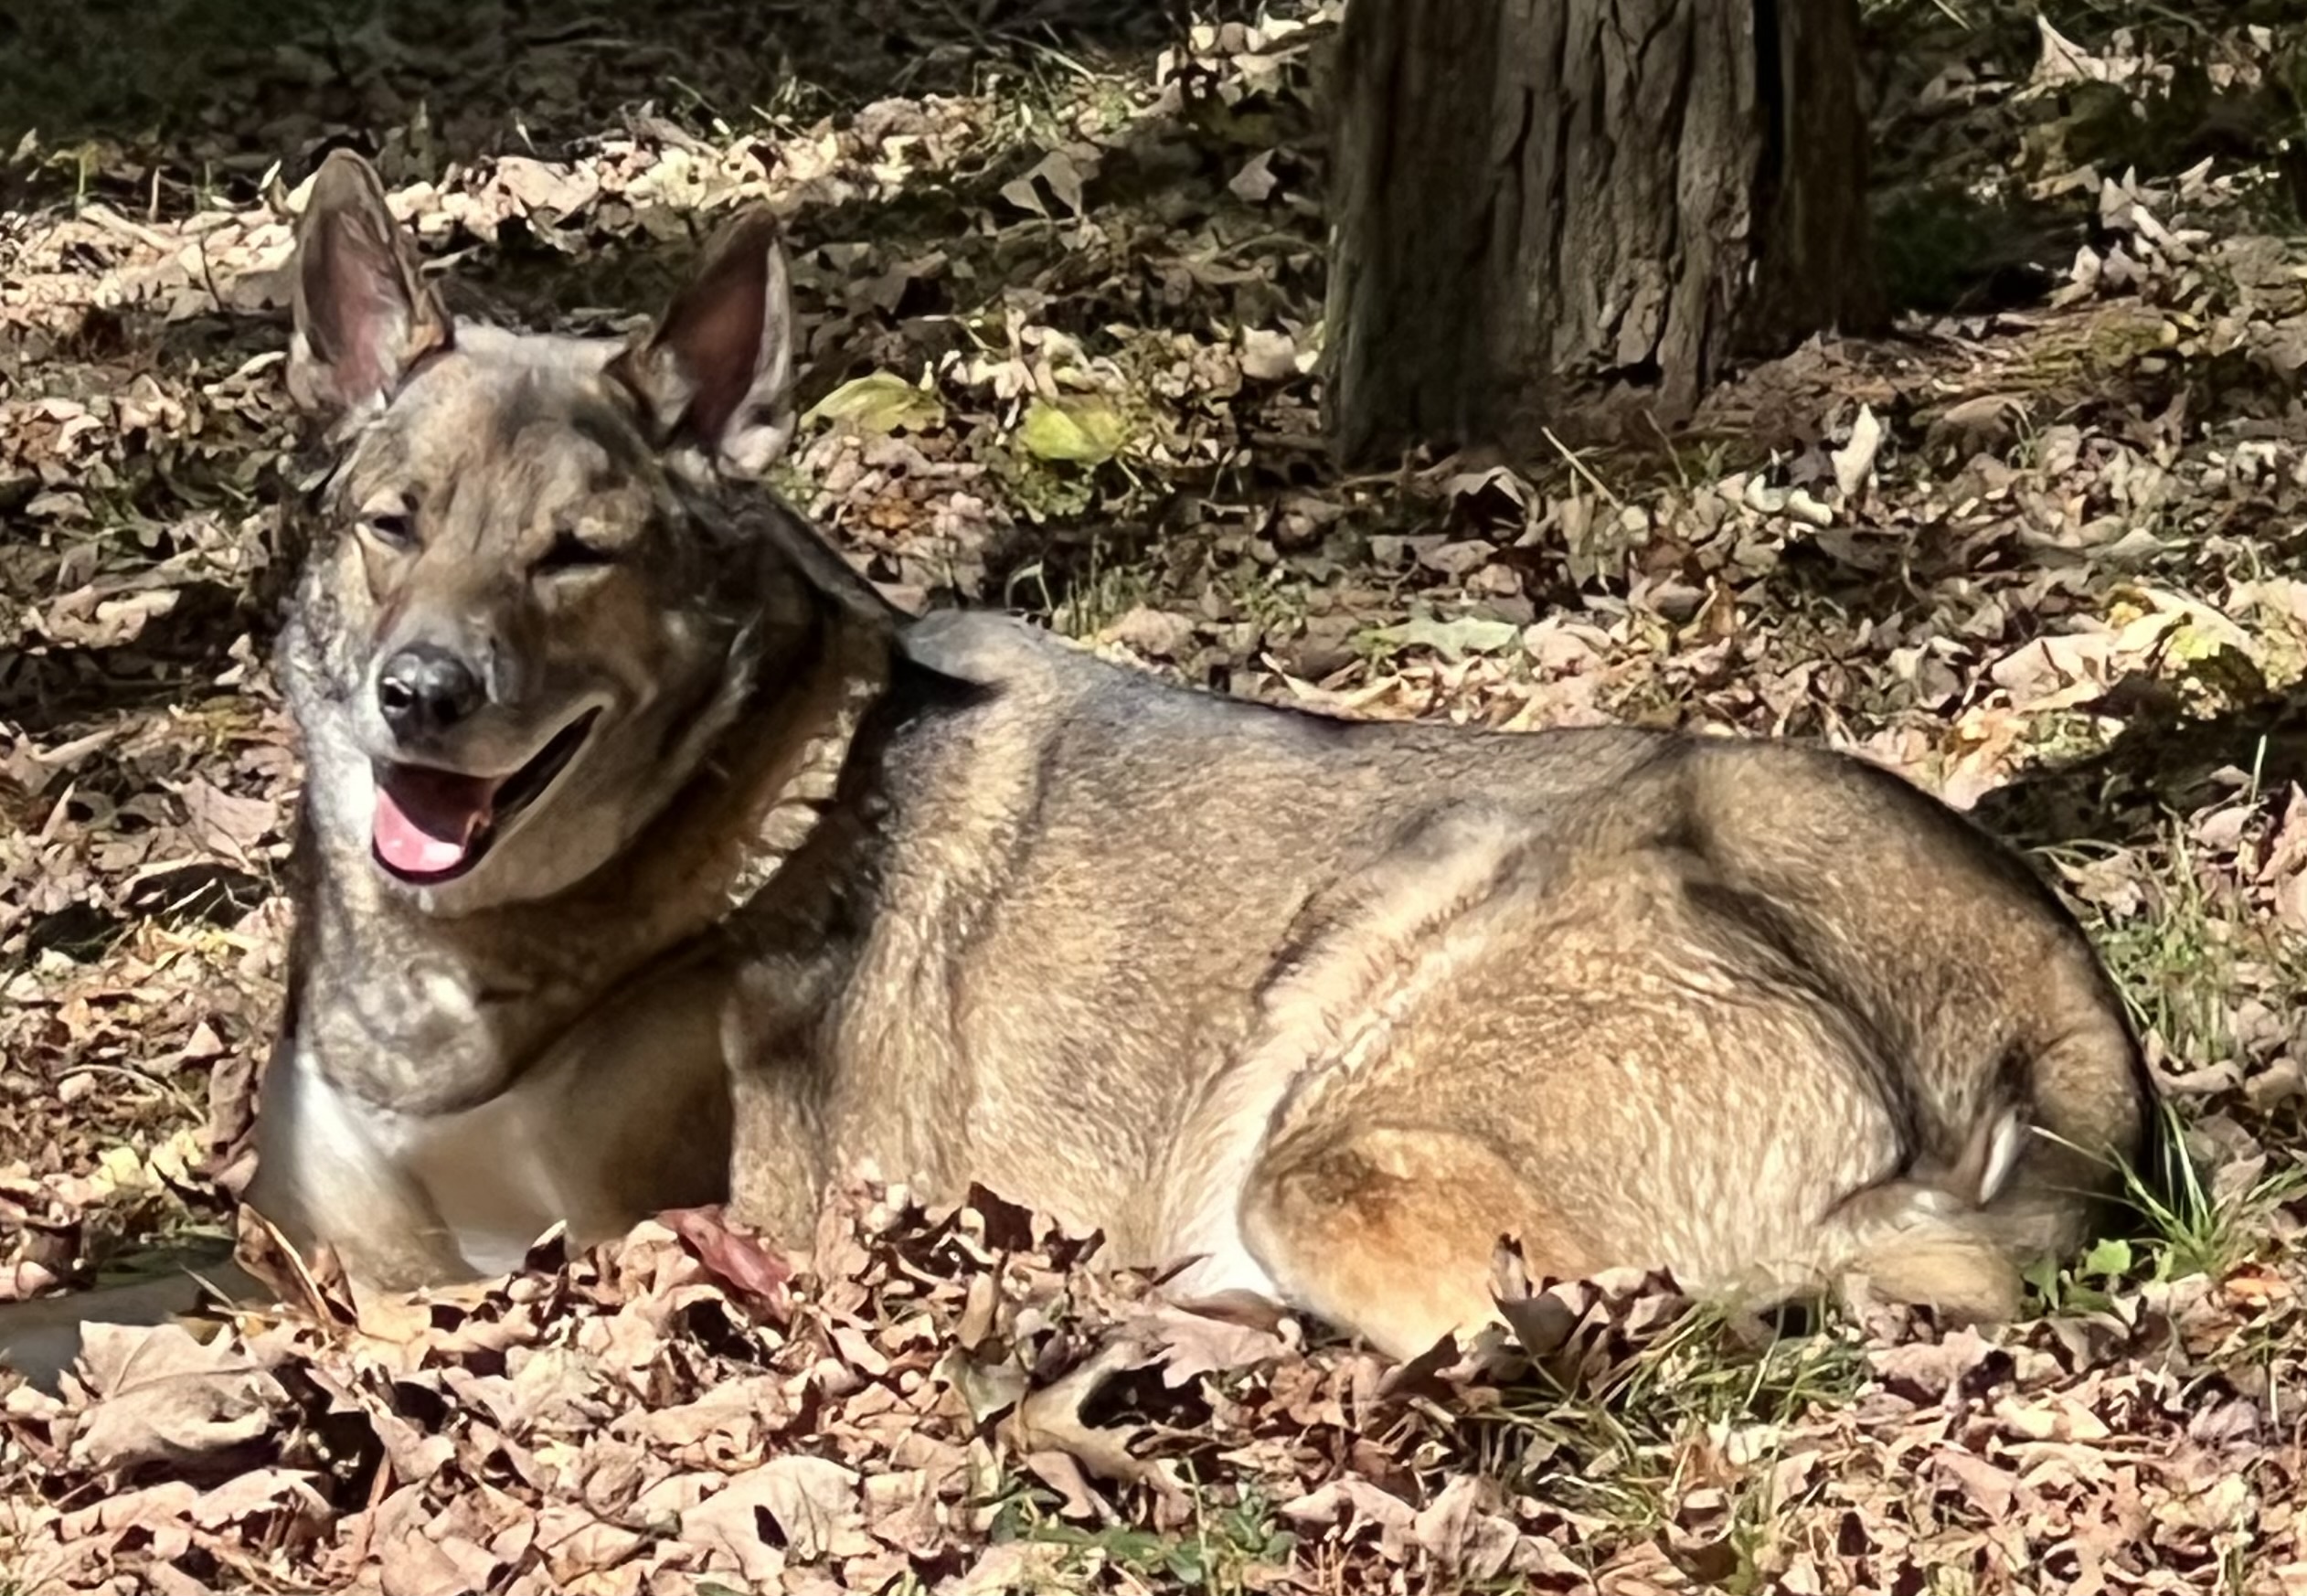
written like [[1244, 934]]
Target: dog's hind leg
[[1388, 1232]]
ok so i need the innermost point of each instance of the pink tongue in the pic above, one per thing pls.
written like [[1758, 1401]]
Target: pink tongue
[[426, 820]]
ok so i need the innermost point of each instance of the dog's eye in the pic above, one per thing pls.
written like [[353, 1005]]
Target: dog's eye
[[569, 552], [393, 528]]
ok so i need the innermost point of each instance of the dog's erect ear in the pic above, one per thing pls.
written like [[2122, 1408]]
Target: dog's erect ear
[[363, 316], [718, 370]]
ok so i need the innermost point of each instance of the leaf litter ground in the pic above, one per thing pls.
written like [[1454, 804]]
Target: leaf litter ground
[[1060, 274]]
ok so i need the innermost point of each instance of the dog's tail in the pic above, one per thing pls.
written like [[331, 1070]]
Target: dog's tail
[[1955, 1238], [2029, 1171]]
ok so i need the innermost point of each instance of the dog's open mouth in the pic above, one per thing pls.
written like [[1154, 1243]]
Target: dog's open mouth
[[433, 825]]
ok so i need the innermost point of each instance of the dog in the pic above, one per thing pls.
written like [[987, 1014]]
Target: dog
[[649, 857]]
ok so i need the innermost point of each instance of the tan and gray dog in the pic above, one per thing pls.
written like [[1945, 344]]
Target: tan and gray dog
[[648, 854]]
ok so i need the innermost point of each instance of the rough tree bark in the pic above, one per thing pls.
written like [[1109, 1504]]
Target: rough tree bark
[[1562, 213]]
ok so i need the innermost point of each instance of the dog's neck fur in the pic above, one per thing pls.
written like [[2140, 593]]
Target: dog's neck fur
[[476, 997]]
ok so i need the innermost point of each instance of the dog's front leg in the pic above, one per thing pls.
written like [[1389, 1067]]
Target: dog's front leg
[[323, 1179], [780, 1153]]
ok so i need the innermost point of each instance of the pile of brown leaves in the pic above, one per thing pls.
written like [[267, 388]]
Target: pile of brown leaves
[[960, 1401]]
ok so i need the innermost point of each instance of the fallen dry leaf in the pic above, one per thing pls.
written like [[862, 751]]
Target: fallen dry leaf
[[157, 1394]]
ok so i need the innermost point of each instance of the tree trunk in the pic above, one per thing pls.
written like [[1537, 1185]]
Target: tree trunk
[[1560, 214]]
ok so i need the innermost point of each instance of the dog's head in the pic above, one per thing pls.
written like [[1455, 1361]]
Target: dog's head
[[523, 623]]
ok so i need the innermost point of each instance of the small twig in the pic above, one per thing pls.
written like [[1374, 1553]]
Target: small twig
[[317, 1299], [111, 221], [152, 1083], [1673, 455], [1579, 466], [664, 129], [208, 273]]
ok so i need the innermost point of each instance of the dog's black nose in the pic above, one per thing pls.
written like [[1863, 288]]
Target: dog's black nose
[[425, 690]]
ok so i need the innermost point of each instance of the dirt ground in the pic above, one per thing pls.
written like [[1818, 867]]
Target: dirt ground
[[1060, 269]]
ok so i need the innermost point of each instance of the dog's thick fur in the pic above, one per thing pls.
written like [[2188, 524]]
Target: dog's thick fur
[[1328, 1006]]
